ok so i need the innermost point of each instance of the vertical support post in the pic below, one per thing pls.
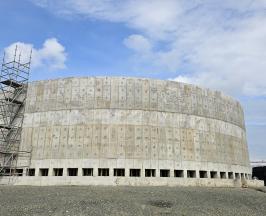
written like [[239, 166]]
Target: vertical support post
[[14, 78]]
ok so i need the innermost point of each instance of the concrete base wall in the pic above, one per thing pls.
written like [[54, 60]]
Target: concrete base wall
[[136, 164], [122, 181]]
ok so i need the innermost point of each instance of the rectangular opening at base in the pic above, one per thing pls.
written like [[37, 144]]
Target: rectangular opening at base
[[230, 175], [72, 171], [191, 174], [43, 171], [119, 172], [223, 175], [164, 173], [214, 174], [30, 172], [103, 172], [19, 172], [58, 172], [242, 175], [9, 171], [246, 176], [134, 172], [203, 174], [149, 172], [237, 175], [179, 173], [87, 171]]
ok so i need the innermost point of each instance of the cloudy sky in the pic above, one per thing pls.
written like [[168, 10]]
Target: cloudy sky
[[211, 43]]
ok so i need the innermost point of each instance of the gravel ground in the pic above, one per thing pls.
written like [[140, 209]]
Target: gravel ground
[[103, 200]]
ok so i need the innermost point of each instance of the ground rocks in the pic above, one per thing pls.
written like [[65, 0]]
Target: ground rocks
[[103, 200]]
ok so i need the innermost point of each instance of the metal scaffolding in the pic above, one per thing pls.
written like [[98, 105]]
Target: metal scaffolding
[[14, 79]]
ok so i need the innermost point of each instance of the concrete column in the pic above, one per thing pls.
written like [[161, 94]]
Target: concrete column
[[226, 175], [185, 173], [64, 171], [111, 171], [50, 171], [94, 171], [25, 172], [80, 171], [37, 171], [197, 174], [157, 172], [142, 172], [126, 172], [172, 174]]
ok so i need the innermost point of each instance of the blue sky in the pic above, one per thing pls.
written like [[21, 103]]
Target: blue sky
[[211, 43]]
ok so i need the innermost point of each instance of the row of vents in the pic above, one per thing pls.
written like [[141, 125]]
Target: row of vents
[[120, 172]]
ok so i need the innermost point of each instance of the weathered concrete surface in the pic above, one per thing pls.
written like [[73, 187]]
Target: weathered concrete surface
[[129, 123], [102, 200], [123, 181]]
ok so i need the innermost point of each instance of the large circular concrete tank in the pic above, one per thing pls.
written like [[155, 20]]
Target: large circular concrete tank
[[116, 130]]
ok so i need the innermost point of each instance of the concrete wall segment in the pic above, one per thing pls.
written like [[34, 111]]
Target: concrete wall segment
[[133, 123]]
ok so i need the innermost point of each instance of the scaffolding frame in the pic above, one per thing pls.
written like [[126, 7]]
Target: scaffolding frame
[[14, 79]]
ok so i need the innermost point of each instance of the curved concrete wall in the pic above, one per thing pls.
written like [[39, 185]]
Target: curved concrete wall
[[131, 123]]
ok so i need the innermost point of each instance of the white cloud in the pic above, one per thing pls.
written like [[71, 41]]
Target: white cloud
[[154, 16], [138, 43], [233, 61], [223, 42], [52, 55]]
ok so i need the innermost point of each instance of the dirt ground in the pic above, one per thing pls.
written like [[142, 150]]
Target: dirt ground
[[103, 200]]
